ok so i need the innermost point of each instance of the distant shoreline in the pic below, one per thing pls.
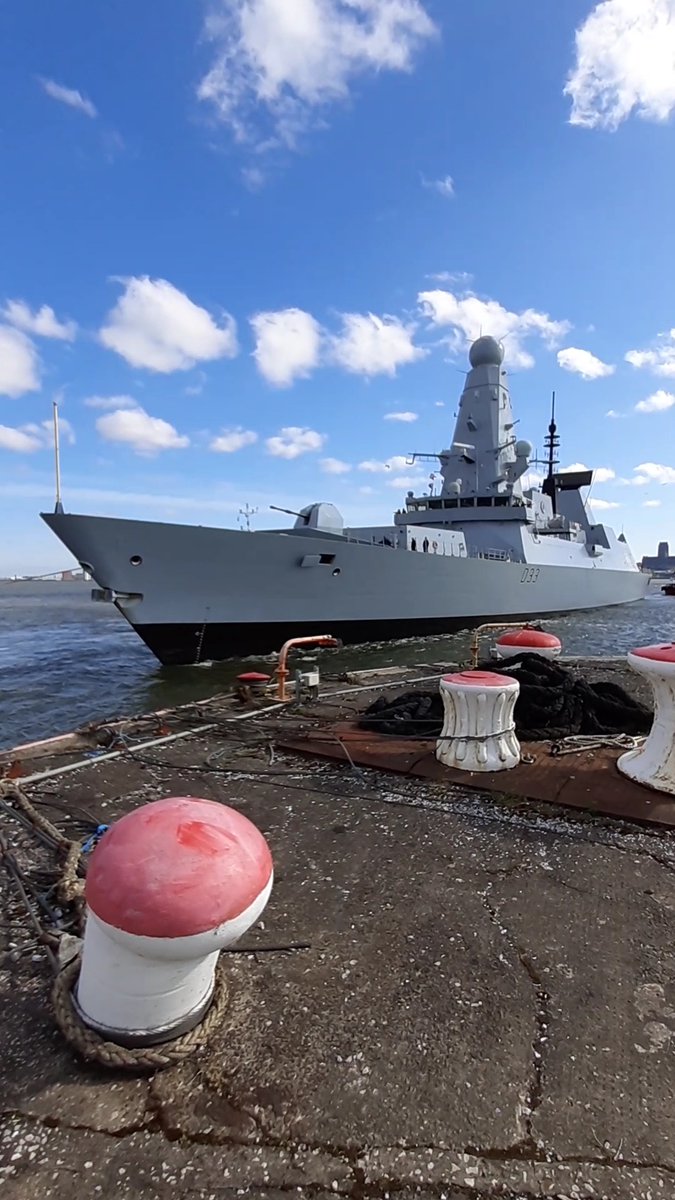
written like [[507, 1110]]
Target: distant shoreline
[[80, 584]]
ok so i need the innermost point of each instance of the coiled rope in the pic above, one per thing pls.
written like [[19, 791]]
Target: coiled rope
[[94, 1048]]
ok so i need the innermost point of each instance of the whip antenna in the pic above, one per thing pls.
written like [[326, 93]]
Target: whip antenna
[[58, 506]]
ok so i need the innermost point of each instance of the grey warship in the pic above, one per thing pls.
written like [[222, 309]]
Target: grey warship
[[485, 548]]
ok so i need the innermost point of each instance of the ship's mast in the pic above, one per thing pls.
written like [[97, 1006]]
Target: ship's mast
[[552, 444]]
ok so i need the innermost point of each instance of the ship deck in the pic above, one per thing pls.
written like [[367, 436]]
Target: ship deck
[[453, 991]]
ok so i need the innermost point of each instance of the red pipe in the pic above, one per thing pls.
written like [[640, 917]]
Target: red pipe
[[319, 639]]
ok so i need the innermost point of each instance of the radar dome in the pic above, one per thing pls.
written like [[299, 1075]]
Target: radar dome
[[523, 449], [486, 352]]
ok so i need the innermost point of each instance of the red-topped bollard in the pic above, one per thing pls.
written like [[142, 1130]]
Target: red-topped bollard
[[168, 887], [528, 641], [478, 728], [654, 763], [255, 682]]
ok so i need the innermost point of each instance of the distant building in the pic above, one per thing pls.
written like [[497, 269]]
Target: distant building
[[663, 564], [70, 575]]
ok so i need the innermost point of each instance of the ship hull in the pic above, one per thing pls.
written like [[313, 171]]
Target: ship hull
[[181, 645], [195, 594]]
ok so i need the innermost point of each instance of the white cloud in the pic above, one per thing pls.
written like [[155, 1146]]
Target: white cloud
[[603, 474], [406, 417], [582, 362], [145, 435], [465, 278], [660, 359], [467, 316], [651, 503], [156, 326], [444, 186], [29, 438], [18, 440], [652, 473], [334, 466], [600, 474], [43, 322], [396, 463], [277, 64], [617, 416], [371, 345], [287, 345], [603, 505], [111, 402], [69, 96], [290, 344], [625, 51], [292, 441], [231, 440], [45, 431], [254, 178], [406, 482], [19, 365], [657, 402]]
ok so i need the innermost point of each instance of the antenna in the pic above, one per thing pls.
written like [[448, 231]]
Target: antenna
[[246, 513], [552, 444], [58, 506]]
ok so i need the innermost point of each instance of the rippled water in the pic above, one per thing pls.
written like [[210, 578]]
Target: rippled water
[[65, 660]]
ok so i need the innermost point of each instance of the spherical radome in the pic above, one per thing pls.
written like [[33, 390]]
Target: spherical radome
[[486, 352]]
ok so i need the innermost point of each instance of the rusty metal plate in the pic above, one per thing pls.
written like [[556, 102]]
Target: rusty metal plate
[[589, 780]]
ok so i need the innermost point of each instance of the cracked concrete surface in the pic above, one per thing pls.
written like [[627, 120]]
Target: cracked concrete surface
[[487, 1008], [542, 1020]]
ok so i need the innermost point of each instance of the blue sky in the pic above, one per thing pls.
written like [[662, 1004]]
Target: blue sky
[[246, 244]]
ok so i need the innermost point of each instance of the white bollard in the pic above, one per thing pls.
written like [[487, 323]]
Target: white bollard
[[654, 763], [528, 641], [168, 887], [478, 729]]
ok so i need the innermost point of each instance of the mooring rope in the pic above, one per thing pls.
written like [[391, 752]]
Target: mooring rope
[[85, 1041], [70, 887], [94, 1048]]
